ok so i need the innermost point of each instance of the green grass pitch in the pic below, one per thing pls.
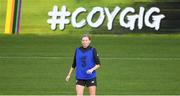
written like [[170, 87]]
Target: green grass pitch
[[131, 64]]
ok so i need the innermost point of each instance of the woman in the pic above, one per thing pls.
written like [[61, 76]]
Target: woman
[[86, 61]]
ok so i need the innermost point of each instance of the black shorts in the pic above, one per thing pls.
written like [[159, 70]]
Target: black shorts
[[87, 83]]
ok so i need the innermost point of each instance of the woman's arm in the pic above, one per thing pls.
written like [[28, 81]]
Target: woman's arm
[[97, 62], [69, 74], [93, 69], [72, 68]]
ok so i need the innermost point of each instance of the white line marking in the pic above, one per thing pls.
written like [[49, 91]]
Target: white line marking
[[104, 58]]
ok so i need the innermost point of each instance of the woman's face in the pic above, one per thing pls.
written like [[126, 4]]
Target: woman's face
[[85, 42]]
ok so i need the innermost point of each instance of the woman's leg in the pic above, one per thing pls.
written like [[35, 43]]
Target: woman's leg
[[92, 90], [79, 90]]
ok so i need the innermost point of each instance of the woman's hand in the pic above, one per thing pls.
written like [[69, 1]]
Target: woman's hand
[[90, 71], [68, 78]]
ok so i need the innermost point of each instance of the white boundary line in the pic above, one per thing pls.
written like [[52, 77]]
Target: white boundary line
[[104, 58], [86, 95]]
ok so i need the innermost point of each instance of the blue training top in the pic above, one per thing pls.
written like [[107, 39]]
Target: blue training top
[[84, 62]]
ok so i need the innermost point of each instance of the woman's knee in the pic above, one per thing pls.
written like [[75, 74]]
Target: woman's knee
[[92, 90], [79, 90]]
